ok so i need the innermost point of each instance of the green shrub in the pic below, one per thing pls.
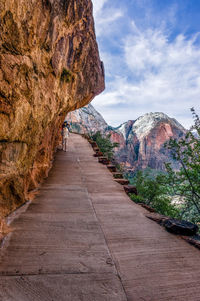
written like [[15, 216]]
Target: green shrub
[[185, 183], [66, 76], [160, 191], [104, 144], [152, 193]]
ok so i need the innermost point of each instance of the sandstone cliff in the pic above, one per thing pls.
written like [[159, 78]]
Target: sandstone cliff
[[145, 139], [49, 65], [141, 141], [86, 120]]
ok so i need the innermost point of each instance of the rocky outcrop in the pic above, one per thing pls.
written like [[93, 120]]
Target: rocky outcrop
[[175, 226], [49, 65], [86, 120], [141, 142], [181, 227], [145, 139]]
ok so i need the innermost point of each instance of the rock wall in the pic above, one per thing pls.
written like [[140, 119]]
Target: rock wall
[[49, 65], [141, 142], [145, 139], [86, 120]]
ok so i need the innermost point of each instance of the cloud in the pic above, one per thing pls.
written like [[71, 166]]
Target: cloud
[[163, 76], [150, 71], [105, 17], [98, 6], [144, 51]]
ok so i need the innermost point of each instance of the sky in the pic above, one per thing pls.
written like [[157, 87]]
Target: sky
[[151, 54]]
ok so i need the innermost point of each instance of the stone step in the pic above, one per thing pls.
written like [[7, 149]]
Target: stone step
[[93, 143], [122, 181], [130, 189], [117, 175], [148, 208], [96, 149], [112, 168], [104, 160], [98, 154]]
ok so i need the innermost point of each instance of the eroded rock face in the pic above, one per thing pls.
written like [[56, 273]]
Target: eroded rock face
[[49, 65], [145, 139], [141, 142], [86, 120]]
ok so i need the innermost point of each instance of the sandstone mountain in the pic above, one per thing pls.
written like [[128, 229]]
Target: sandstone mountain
[[49, 65], [86, 120], [141, 141], [145, 139]]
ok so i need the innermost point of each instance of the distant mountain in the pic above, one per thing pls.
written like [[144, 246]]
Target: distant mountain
[[141, 141], [145, 139], [86, 120]]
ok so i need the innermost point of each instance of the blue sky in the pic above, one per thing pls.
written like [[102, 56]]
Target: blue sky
[[151, 53]]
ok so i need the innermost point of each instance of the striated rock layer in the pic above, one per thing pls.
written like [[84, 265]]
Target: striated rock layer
[[145, 139], [86, 120], [49, 65], [141, 142]]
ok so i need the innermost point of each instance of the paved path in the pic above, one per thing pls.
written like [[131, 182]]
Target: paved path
[[82, 239]]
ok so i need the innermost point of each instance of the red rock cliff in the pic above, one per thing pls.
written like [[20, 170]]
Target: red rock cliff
[[141, 142], [49, 65]]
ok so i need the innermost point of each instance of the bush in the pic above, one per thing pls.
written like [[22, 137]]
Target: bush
[[66, 75], [185, 183], [152, 193], [159, 192], [104, 144]]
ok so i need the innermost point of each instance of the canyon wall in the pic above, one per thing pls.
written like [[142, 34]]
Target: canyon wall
[[49, 65], [86, 120], [145, 140], [141, 142]]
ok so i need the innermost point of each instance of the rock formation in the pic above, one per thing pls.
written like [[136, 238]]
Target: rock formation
[[49, 65], [141, 141], [86, 120], [145, 139]]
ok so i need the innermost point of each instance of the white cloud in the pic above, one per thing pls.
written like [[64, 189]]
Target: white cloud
[[149, 72], [144, 51], [164, 77], [105, 17], [98, 6]]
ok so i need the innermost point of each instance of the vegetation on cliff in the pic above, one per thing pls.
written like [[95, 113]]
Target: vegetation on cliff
[[176, 193], [105, 145], [154, 193], [141, 141]]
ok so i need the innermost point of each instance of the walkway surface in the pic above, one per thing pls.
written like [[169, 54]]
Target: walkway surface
[[82, 239]]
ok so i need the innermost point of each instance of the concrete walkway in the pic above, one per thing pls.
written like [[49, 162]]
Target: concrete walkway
[[82, 239]]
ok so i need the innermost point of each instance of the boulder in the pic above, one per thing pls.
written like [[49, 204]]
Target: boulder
[[180, 227]]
